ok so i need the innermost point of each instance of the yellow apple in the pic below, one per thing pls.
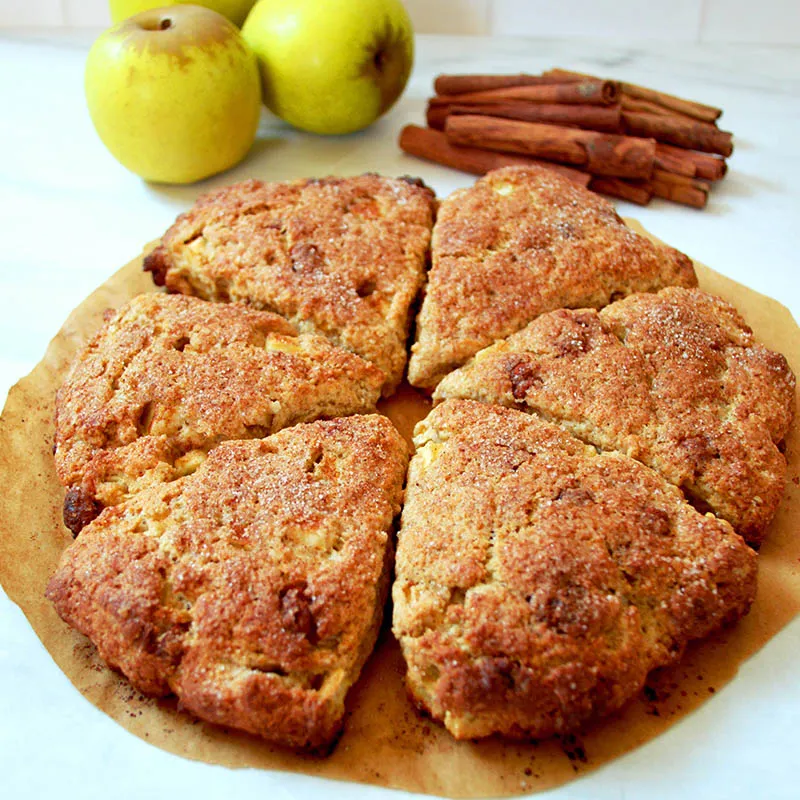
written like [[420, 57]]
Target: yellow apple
[[333, 66], [235, 10], [174, 93]]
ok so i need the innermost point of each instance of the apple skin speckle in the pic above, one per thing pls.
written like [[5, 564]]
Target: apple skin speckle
[[180, 35]]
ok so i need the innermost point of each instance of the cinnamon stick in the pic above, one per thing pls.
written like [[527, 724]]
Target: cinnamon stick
[[573, 76], [435, 116], [691, 108], [629, 103], [711, 171], [597, 153], [639, 192], [704, 165], [597, 118], [459, 84], [559, 74], [433, 146], [674, 130], [680, 189], [673, 160], [603, 93], [675, 188]]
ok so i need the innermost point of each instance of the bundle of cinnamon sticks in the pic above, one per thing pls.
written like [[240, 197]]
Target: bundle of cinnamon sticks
[[617, 138]]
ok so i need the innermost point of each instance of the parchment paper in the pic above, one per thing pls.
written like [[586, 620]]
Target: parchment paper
[[385, 741]]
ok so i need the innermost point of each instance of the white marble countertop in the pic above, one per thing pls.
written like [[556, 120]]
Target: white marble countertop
[[70, 216]]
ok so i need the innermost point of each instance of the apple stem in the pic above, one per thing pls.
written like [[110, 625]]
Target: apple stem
[[166, 24]]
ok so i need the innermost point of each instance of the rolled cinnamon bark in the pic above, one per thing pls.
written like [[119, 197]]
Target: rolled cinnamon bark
[[680, 189], [698, 111], [629, 103], [703, 165], [639, 192], [711, 171], [690, 108], [597, 153], [435, 116], [458, 84], [673, 160], [596, 118], [433, 146], [675, 130], [590, 92], [676, 188], [559, 74]]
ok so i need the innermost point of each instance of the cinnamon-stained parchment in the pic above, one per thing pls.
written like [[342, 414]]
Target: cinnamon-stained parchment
[[385, 741]]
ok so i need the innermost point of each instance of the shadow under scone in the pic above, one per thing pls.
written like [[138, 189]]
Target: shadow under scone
[[169, 377], [254, 588], [539, 581]]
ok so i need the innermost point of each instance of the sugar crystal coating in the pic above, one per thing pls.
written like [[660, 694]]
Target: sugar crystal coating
[[252, 589], [673, 379], [539, 581], [168, 378], [340, 257], [520, 242]]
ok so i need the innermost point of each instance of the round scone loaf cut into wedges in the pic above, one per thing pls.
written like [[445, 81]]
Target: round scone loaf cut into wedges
[[341, 257], [538, 581], [519, 242], [168, 378], [253, 589], [673, 379]]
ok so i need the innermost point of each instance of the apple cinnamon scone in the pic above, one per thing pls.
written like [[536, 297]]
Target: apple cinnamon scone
[[252, 589], [168, 378], [674, 380], [520, 242], [539, 581], [340, 257]]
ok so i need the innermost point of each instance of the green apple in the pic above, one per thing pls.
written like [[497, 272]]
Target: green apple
[[174, 93], [332, 66], [235, 10]]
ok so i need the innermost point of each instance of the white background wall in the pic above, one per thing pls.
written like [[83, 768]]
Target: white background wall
[[752, 21]]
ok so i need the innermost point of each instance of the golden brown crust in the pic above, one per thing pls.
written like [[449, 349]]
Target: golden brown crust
[[674, 380], [520, 242], [252, 589], [538, 582], [341, 257], [169, 377]]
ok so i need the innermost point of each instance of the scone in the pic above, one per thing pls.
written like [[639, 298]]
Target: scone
[[522, 241], [169, 377], [539, 581], [341, 257], [674, 380], [252, 589]]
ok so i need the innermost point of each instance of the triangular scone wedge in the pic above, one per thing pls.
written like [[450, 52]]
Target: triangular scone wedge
[[341, 257], [252, 589], [674, 380], [522, 241], [168, 378], [539, 581]]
